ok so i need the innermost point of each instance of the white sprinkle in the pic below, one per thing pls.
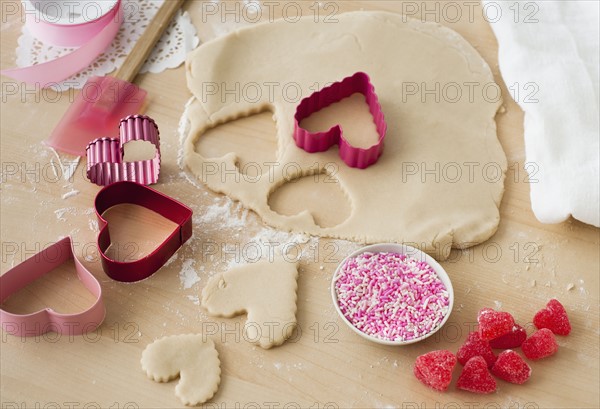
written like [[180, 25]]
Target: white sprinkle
[[194, 298], [70, 194]]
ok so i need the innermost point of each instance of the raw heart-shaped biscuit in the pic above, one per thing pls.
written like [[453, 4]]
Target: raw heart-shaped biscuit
[[265, 290], [193, 358]]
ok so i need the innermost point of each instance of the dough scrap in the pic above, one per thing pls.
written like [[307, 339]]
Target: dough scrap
[[193, 358], [265, 290], [414, 194]]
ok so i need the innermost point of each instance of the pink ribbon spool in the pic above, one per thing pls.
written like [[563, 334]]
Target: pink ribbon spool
[[89, 25]]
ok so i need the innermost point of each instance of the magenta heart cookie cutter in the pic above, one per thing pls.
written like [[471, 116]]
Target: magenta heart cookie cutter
[[46, 320], [105, 163], [313, 142], [140, 195]]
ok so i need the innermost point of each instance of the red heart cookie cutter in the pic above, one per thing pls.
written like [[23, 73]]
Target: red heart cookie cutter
[[134, 193], [321, 141], [105, 155], [47, 319]]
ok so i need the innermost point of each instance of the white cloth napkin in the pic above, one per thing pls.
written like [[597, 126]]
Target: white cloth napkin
[[549, 54]]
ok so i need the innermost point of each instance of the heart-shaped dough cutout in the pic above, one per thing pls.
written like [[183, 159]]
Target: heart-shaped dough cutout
[[265, 290], [191, 357]]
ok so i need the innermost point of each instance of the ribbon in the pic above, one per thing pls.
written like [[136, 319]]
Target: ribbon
[[91, 37]]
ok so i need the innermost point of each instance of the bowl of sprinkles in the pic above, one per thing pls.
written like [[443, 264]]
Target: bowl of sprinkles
[[392, 294]]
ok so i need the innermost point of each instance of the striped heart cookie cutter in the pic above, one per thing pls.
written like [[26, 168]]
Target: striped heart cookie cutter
[[105, 163], [313, 142]]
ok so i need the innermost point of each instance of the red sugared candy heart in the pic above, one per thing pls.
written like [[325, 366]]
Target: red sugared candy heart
[[434, 369], [474, 346], [494, 324], [554, 317], [540, 345], [513, 339], [511, 367], [475, 377]]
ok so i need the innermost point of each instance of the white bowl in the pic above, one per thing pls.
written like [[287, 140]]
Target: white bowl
[[409, 251]]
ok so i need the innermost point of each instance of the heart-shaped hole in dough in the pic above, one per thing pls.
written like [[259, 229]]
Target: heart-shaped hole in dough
[[256, 156], [352, 115], [320, 194], [59, 290], [135, 231]]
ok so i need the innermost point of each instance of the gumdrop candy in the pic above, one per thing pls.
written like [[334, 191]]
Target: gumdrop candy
[[475, 377], [434, 369], [511, 367]]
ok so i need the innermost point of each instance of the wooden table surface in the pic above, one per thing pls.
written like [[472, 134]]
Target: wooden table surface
[[326, 366]]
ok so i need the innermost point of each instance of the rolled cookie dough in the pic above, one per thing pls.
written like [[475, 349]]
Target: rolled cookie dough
[[265, 290], [440, 180], [193, 358]]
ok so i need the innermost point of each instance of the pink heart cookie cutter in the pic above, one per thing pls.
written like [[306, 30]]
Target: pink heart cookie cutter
[[46, 320], [105, 163], [313, 142]]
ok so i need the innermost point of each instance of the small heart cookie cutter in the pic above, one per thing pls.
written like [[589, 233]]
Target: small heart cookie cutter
[[46, 320], [105, 163], [313, 142], [134, 193]]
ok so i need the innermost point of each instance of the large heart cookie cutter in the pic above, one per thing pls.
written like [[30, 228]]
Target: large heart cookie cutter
[[134, 193], [105, 163], [321, 141], [46, 320]]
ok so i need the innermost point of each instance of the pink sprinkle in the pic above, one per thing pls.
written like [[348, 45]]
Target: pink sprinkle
[[391, 296]]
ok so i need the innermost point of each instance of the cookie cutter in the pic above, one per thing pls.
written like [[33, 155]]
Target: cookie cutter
[[46, 320], [105, 163], [313, 142], [134, 193]]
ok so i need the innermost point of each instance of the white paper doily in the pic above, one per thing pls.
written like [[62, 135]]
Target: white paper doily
[[169, 52]]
